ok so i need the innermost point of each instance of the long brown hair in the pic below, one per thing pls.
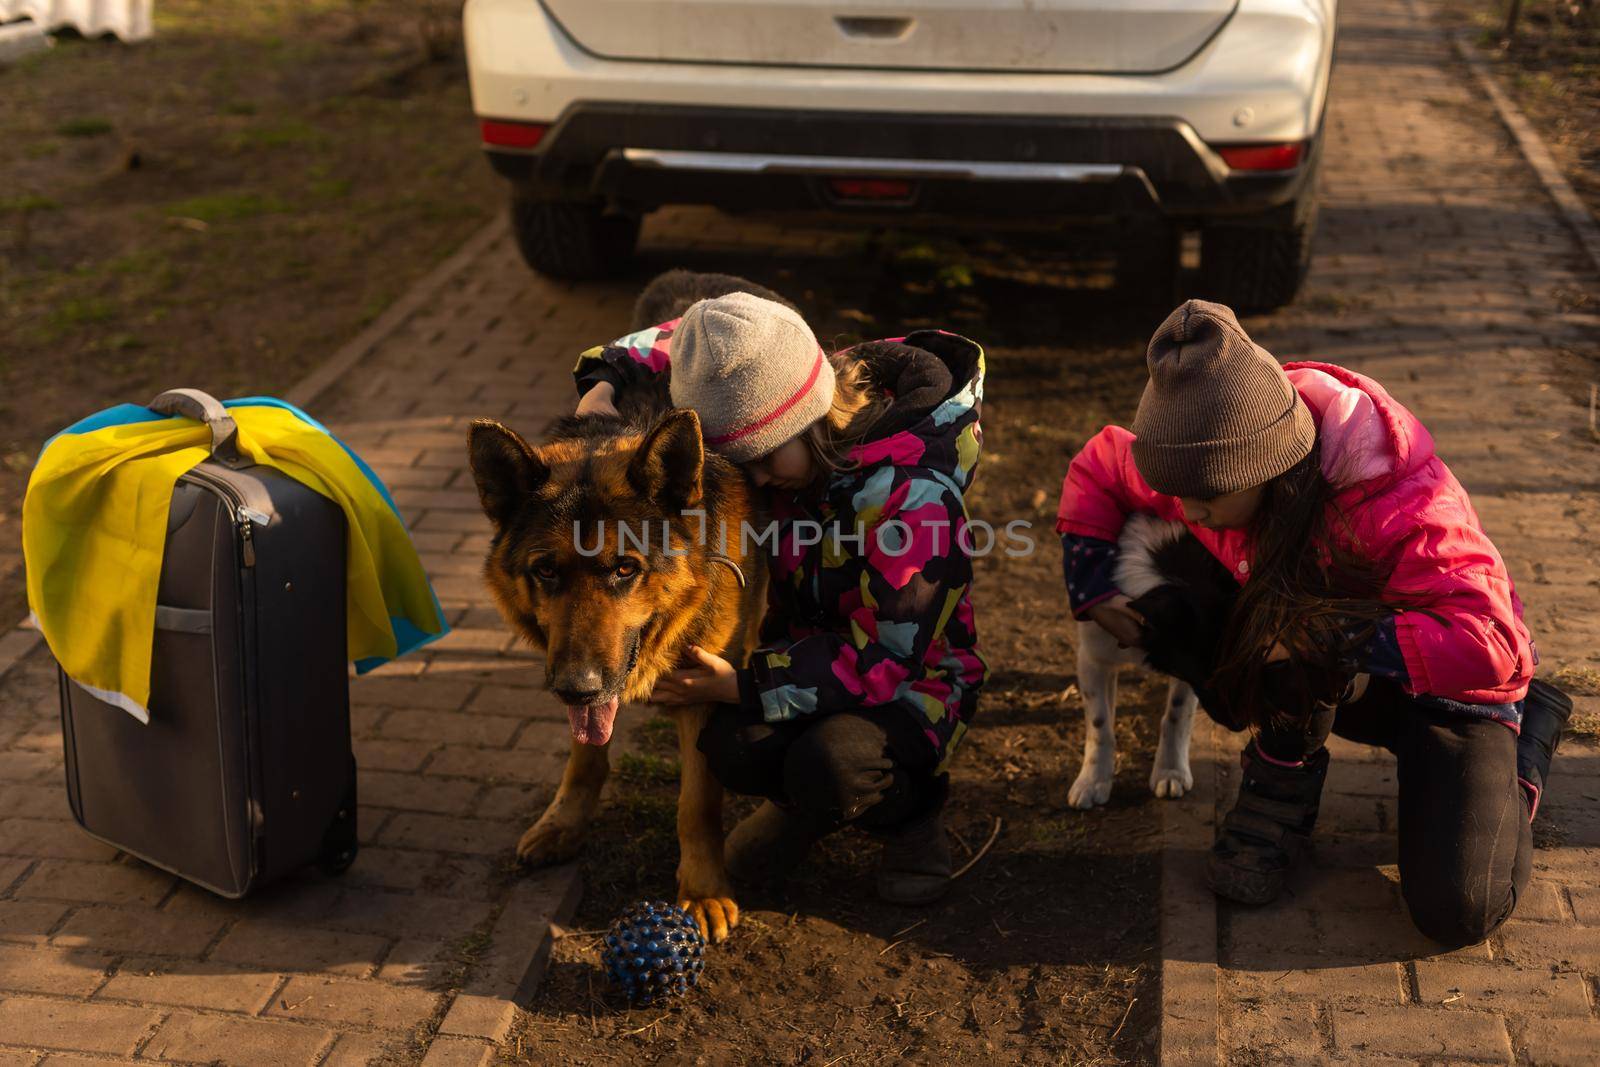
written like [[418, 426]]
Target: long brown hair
[[1311, 588], [857, 405]]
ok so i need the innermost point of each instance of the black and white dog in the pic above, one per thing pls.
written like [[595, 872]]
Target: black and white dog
[[1184, 594]]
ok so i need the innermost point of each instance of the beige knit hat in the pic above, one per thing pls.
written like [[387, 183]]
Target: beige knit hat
[[1218, 414], [752, 370]]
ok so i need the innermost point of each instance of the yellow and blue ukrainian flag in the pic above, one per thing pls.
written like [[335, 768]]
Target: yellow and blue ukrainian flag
[[94, 525]]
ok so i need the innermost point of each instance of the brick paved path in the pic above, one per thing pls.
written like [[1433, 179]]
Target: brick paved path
[[101, 954], [1443, 270]]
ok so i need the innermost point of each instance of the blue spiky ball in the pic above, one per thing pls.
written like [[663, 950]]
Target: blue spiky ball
[[654, 951]]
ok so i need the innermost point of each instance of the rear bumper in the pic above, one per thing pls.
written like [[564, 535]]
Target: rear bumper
[[1262, 78], [642, 156]]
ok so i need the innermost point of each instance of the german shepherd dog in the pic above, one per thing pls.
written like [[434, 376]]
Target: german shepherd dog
[[581, 567]]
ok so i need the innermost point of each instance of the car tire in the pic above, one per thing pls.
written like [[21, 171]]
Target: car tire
[[1259, 265], [572, 239]]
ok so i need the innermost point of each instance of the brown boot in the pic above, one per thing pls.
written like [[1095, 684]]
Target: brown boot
[[915, 866], [767, 845]]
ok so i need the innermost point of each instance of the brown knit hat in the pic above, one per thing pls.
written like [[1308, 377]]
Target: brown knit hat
[[1218, 414], [752, 370]]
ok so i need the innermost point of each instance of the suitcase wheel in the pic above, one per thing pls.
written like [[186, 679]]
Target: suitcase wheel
[[337, 863], [340, 844]]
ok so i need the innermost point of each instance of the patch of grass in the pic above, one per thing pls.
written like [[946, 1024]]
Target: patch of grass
[[1583, 682], [921, 252], [376, 305], [649, 813], [1580, 681], [647, 768], [1052, 833], [277, 135], [467, 952], [27, 202], [31, 62], [659, 732], [329, 188], [238, 107], [260, 17], [954, 276], [72, 314], [82, 311], [1336, 303], [639, 829], [1586, 727], [143, 261], [84, 127], [227, 207], [1539, 83]]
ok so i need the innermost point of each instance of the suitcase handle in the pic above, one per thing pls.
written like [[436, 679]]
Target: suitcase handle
[[203, 407]]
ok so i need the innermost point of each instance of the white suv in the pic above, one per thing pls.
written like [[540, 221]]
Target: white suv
[[1193, 115]]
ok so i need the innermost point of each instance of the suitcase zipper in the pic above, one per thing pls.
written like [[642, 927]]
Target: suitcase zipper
[[244, 517], [249, 544], [248, 519]]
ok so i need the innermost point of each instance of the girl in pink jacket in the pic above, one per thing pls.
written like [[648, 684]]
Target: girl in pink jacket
[[1357, 551]]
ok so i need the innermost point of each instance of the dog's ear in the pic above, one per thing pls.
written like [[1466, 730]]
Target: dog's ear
[[506, 469], [671, 461]]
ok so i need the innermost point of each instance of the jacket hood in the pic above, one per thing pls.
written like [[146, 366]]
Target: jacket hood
[[914, 380], [1368, 438], [936, 382]]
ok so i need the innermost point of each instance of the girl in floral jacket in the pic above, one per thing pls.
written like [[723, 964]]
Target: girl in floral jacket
[[1357, 551], [868, 671]]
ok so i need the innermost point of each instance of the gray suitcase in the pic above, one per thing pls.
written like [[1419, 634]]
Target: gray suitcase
[[244, 772]]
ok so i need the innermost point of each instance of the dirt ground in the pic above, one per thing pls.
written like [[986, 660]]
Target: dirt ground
[[1552, 67], [220, 206], [1045, 951]]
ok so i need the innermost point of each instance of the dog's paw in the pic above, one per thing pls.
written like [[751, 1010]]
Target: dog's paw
[[1088, 791], [705, 893], [550, 841], [714, 915], [1171, 782]]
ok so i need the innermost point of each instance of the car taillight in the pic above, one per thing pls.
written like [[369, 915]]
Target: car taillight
[[504, 134], [1263, 156], [870, 188]]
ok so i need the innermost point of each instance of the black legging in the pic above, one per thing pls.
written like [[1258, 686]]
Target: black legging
[[1466, 847], [833, 769]]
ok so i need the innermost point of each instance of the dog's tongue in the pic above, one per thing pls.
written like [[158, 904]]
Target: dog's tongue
[[591, 723]]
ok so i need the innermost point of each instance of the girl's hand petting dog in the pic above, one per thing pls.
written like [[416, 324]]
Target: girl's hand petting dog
[[1119, 620], [713, 681]]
